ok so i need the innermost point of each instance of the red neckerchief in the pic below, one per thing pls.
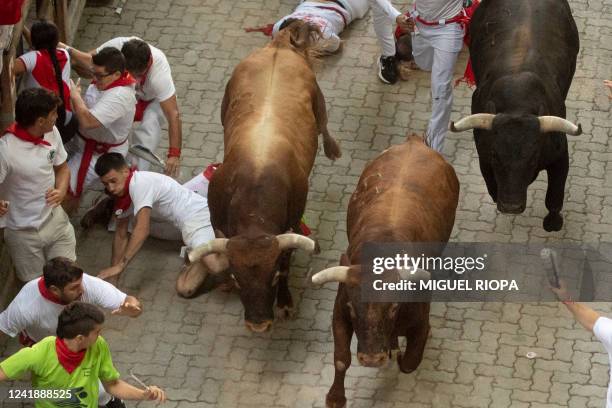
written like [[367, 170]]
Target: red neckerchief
[[123, 203], [124, 80], [69, 359], [23, 134], [47, 294]]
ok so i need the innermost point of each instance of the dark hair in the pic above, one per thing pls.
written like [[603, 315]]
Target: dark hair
[[137, 54], [111, 59], [108, 162], [60, 272], [78, 318], [34, 103], [45, 37]]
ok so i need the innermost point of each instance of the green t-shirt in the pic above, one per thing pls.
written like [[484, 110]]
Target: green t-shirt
[[48, 374]]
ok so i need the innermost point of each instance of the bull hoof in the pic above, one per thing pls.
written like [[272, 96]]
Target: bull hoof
[[335, 402], [285, 312], [405, 370], [553, 222]]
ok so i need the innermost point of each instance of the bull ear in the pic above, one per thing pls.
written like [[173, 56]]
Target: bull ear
[[490, 107], [414, 275]]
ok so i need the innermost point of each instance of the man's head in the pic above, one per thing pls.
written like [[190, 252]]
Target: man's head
[[36, 110], [44, 34], [108, 66], [137, 55], [80, 322], [113, 170], [64, 279]]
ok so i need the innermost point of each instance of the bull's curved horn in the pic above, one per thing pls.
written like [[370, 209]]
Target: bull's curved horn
[[333, 274], [217, 245], [476, 121], [295, 241], [557, 124]]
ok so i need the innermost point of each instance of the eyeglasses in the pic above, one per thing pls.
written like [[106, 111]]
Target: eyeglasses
[[100, 76]]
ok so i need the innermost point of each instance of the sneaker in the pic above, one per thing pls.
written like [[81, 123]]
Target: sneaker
[[115, 403], [387, 71], [100, 213]]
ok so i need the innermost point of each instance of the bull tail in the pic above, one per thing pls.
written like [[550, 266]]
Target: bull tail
[[303, 37]]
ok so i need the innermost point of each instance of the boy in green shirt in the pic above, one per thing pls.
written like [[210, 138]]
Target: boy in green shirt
[[65, 369]]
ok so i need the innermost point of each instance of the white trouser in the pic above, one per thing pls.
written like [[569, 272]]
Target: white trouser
[[148, 132], [383, 27], [435, 49], [356, 8], [103, 396]]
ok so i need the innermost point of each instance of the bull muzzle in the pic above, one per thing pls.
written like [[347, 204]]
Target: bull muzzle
[[262, 327], [510, 208], [373, 359]]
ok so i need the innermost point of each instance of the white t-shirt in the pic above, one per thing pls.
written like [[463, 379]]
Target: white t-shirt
[[26, 173], [435, 10], [36, 316], [30, 60], [169, 201], [603, 332], [330, 22], [114, 108], [159, 85]]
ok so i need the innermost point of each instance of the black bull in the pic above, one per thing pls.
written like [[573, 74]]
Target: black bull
[[524, 57]]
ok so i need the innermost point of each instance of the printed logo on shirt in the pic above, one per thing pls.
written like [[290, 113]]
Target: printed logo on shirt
[[51, 156], [86, 372], [78, 399], [119, 211]]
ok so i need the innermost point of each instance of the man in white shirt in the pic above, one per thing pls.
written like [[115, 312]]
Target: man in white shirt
[[330, 16], [33, 314], [155, 93], [146, 196], [333, 16], [435, 46], [592, 321], [34, 179], [105, 119]]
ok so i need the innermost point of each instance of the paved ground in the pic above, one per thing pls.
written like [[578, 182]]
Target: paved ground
[[200, 350]]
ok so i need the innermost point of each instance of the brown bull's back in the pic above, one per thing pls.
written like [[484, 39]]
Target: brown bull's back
[[268, 111], [409, 193]]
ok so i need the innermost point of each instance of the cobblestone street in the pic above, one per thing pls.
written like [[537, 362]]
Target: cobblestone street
[[200, 350]]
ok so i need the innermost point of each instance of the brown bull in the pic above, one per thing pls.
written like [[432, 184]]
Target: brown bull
[[272, 113], [408, 194]]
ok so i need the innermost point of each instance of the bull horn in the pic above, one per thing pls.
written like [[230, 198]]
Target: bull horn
[[557, 124], [295, 241], [333, 274], [476, 121], [217, 245]]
